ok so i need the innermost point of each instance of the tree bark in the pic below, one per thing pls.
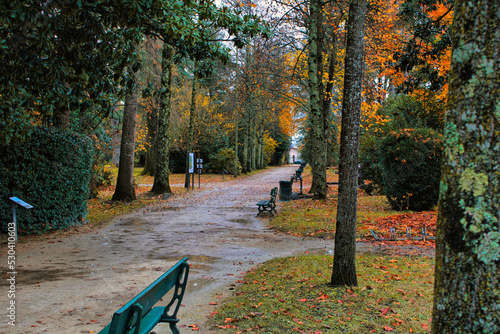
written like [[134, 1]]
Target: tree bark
[[253, 137], [246, 132], [125, 190], [192, 115], [314, 64], [152, 123], [467, 284], [161, 183], [236, 140], [344, 261]]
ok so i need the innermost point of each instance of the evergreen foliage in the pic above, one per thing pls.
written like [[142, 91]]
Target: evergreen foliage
[[411, 168], [398, 112], [51, 170], [406, 111]]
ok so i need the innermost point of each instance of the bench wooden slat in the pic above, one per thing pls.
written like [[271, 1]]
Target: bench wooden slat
[[175, 277]]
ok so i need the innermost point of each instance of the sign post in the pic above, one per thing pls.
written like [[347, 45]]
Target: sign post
[[199, 166], [16, 201], [191, 170]]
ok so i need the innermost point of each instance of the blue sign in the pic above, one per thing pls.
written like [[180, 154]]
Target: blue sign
[[21, 202]]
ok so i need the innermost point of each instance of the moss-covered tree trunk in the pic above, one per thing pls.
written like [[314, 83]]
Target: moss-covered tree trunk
[[152, 124], [344, 260], [467, 285], [125, 190], [315, 65], [192, 116], [161, 182], [326, 103]]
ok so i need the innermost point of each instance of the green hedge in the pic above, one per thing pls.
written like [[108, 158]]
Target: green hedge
[[51, 170], [411, 168]]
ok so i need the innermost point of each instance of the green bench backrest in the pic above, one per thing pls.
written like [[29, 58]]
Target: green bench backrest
[[125, 319], [274, 192]]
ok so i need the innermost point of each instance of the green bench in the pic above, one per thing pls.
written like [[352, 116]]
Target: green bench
[[269, 205], [139, 316]]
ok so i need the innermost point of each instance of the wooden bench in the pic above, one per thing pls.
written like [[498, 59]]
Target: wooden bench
[[139, 316], [269, 205]]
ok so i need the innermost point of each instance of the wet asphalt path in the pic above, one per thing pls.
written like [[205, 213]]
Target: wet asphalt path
[[73, 284]]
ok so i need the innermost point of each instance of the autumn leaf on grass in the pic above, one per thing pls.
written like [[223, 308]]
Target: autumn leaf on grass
[[385, 310], [388, 329], [230, 320], [322, 297]]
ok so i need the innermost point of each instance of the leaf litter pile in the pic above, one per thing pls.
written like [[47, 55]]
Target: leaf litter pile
[[417, 229]]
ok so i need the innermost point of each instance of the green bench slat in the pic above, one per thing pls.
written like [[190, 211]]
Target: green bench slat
[[175, 277]]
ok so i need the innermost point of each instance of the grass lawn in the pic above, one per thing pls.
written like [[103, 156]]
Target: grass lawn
[[289, 295], [317, 218]]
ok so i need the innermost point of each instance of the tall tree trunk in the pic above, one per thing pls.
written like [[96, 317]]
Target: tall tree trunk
[[467, 284], [246, 132], [192, 115], [327, 94], [344, 260], [236, 139], [259, 148], [161, 182], [314, 63], [152, 123], [125, 190], [252, 141]]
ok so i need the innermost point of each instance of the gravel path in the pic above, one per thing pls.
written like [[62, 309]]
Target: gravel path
[[73, 283]]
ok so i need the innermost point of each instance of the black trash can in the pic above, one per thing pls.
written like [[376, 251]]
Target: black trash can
[[298, 173], [285, 190]]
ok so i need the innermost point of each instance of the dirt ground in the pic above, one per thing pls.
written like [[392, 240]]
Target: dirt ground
[[74, 283]]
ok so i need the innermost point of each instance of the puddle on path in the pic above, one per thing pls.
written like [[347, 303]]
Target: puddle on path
[[133, 222], [242, 221], [191, 258], [35, 276]]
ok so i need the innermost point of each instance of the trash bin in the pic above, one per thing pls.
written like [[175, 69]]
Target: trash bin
[[285, 190], [298, 173]]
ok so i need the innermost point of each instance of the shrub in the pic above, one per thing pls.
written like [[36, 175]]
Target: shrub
[[369, 159], [411, 165], [224, 159], [51, 171], [397, 113], [406, 111]]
